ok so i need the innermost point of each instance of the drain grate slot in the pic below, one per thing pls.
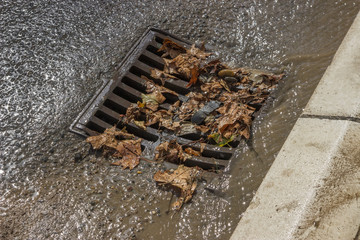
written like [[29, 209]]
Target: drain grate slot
[[140, 86], [138, 71], [127, 95], [119, 100], [158, 39], [151, 48], [206, 163], [217, 154], [106, 118], [141, 133], [151, 59], [176, 85], [113, 99], [151, 62], [110, 113], [191, 136], [214, 153], [92, 128], [114, 106], [100, 123]]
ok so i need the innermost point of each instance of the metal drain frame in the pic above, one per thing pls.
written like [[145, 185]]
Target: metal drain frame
[[97, 115]]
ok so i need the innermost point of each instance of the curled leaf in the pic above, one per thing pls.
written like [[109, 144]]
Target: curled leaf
[[194, 76], [109, 138], [197, 52], [140, 124], [153, 87], [184, 179], [170, 151], [202, 147], [234, 118], [191, 151], [121, 144], [161, 75], [128, 161], [220, 140], [152, 100], [132, 112], [225, 85], [171, 48]]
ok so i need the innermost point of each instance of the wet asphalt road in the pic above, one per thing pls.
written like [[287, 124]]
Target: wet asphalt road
[[53, 57]]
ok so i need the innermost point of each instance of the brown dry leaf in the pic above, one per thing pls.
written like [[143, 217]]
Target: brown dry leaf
[[244, 79], [171, 48], [152, 100], [132, 112], [157, 116], [181, 65], [245, 132], [191, 151], [140, 124], [174, 107], [187, 128], [153, 87], [202, 147], [183, 178], [202, 128], [133, 146], [242, 96], [128, 161], [161, 75], [214, 66], [129, 151], [194, 51], [194, 76], [224, 84], [258, 77], [211, 89], [171, 125], [166, 153], [121, 144], [234, 118], [164, 118], [108, 138], [195, 102], [170, 152], [155, 95]]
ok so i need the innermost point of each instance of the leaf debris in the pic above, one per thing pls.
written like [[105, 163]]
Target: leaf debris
[[183, 178], [171, 151], [119, 144], [219, 107]]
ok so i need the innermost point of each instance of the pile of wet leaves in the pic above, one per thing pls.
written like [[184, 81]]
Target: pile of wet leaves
[[220, 108]]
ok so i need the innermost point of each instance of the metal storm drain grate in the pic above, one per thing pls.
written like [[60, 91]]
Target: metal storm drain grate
[[115, 96]]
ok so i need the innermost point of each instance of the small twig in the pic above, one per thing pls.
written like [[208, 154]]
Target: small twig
[[169, 206], [147, 160], [189, 143]]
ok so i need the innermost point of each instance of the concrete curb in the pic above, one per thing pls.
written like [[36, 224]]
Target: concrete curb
[[312, 190]]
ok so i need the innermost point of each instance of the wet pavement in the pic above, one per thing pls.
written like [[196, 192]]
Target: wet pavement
[[55, 54]]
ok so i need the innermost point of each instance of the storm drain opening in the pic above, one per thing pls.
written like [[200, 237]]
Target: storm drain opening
[[129, 87]]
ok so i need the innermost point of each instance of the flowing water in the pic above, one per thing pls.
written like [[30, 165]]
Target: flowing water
[[54, 55]]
